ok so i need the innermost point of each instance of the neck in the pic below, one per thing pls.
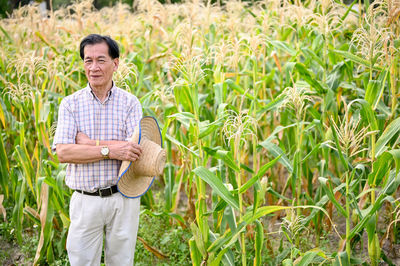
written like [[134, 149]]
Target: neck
[[101, 92]]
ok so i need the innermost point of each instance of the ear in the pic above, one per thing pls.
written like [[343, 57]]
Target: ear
[[116, 63]]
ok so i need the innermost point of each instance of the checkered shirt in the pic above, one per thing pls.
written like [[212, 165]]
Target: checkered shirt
[[115, 119]]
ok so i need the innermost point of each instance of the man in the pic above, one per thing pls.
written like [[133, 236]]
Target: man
[[93, 126]]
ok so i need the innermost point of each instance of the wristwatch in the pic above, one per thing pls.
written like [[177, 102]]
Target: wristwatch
[[105, 151]]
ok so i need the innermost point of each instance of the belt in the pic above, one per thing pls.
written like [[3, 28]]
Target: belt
[[102, 192]]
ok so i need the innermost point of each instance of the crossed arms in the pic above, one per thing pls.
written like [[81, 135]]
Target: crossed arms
[[86, 151]]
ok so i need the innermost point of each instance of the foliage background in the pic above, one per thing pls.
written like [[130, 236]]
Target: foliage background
[[280, 121]]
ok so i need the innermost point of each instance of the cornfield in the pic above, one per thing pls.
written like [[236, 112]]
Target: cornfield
[[278, 118]]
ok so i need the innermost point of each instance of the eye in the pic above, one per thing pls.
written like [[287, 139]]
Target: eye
[[102, 61], [88, 61]]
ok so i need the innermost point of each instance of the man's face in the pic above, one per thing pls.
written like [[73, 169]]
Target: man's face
[[99, 66]]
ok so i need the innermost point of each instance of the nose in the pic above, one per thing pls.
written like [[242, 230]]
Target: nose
[[93, 66]]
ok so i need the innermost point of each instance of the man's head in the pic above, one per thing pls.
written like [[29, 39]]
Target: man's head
[[113, 49], [100, 56]]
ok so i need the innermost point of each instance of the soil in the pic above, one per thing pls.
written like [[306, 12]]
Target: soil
[[10, 254]]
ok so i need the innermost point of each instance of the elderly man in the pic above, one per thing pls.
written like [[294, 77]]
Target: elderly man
[[93, 127]]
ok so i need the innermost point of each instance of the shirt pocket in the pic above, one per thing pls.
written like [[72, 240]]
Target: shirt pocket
[[118, 130]]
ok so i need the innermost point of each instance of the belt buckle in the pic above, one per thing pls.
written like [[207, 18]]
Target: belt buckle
[[105, 192]]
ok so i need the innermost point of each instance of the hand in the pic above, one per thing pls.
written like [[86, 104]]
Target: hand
[[82, 138], [125, 151]]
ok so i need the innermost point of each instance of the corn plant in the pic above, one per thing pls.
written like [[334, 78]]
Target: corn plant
[[275, 112]]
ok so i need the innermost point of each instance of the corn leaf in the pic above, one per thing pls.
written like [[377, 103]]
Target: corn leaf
[[4, 168], [260, 173], [26, 166], [223, 155], [46, 218], [356, 59], [308, 77], [368, 113], [277, 152], [6, 34], [375, 89], [284, 46], [380, 168], [258, 243], [239, 89], [198, 239], [153, 250], [391, 130], [194, 253], [330, 195], [217, 185], [392, 182], [2, 117], [309, 257]]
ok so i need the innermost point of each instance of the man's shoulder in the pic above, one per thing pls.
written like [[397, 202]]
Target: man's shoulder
[[126, 95], [75, 96]]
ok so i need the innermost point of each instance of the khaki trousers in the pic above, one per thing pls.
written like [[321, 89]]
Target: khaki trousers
[[92, 216]]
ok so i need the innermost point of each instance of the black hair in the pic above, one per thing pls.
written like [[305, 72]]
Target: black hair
[[113, 49]]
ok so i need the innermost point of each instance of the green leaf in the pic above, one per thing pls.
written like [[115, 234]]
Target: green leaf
[[356, 59], [26, 164], [308, 257], [331, 196], [391, 130], [239, 89], [375, 89], [184, 118], [223, 155], [277, 152], [380, 168], [371, 227], [4, 168], [341, 259], [194, 253], [366, 111], [219, 242], [207, 128], [258, 244], [375, 207], [217, 185], [198, 239], [396, 157], [43, 39], [308, 77], [6, 34], [284, 46], [178, 143], [287, 262], [260, 173]]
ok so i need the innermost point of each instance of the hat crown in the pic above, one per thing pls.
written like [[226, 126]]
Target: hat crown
[[152, 160], [135, 178]]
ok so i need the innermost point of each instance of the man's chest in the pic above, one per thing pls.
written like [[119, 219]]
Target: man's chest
[[101, 121]]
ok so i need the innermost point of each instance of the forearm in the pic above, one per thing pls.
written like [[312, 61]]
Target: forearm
[[92, 142], [88, 150], [78, 153]]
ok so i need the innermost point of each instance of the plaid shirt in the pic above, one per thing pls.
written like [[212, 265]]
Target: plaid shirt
[[115, 119]]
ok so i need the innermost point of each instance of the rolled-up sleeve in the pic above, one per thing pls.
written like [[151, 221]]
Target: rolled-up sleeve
[[66, 126], [134, 115]]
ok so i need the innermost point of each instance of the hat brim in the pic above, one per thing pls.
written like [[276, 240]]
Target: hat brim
[[145, 182]]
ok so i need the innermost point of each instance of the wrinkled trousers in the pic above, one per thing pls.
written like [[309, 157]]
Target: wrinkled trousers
[[91, 217]]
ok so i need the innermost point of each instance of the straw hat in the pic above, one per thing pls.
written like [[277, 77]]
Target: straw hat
[[135, 178]]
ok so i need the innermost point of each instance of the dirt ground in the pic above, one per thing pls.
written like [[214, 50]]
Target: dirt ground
[[10, 254]]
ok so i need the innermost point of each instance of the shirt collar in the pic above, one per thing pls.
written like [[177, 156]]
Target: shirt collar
[[93, 96]]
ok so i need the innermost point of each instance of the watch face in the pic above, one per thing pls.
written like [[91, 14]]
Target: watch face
[[105, 151]]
